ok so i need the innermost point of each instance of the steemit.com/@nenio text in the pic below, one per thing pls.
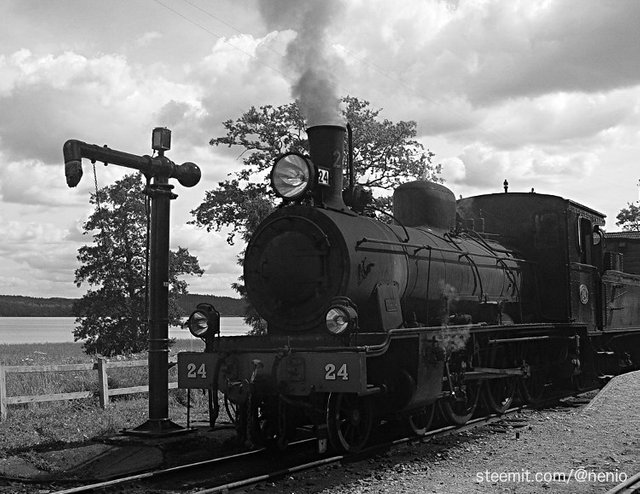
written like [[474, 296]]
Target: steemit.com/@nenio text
[[579, 475]]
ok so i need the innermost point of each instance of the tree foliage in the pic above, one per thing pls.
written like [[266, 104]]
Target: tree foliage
[[112, 314], [385, 155], [629, 217]]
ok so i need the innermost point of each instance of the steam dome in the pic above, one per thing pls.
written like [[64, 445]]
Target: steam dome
[[423, 203]]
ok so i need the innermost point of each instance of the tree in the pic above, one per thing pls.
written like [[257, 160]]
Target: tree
[[111, 317], [629, 217], [385, 155]]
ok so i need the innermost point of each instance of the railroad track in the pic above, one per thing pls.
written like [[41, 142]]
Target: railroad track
[[298, 457], [366, 452], [629, 486]]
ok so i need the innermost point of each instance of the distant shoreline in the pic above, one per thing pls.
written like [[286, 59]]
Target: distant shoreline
[[51, 330], [21, 306]]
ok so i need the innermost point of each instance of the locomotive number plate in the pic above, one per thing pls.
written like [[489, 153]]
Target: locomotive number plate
[[195, 370], [323, 176], [332, 372]]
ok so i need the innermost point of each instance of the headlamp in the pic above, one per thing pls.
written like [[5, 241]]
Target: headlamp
[[204, 321], [292, 175], [341, 316]]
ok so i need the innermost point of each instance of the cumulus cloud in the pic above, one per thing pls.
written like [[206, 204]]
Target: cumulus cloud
[[558, 46], [492, 50], [33, 183], [246, 62], [36, 254], [218, 259], [482, 166], [48, 99]]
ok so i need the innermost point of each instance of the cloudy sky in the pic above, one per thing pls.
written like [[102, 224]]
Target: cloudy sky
[[545, 94]]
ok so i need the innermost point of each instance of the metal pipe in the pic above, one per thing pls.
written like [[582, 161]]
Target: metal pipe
[[188, 174], [350, 159], [419, 247], [161, 195]]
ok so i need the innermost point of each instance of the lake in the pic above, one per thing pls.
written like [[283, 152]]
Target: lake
[[60, 329]]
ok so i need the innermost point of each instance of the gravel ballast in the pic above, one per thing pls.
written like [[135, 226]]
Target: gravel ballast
[[565, 449]]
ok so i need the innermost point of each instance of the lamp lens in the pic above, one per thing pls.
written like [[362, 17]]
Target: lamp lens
[[291, 176], [198, 324], [337, 320]]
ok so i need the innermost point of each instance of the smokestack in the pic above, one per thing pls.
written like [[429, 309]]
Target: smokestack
[[326, 147]]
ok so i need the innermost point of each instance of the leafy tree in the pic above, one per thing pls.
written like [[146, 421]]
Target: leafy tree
[[629, 217], [385, 155], [112, 316]]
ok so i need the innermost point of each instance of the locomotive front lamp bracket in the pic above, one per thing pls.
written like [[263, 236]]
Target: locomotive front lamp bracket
[[160, 169]]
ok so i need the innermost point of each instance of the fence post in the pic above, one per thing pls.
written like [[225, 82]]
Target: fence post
[[3, 394], [103, 382]]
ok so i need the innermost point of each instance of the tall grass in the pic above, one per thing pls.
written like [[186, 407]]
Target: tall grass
[[41, 383], [47, 423]]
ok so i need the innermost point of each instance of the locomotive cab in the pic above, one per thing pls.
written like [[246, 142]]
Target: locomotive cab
[[562, 243]]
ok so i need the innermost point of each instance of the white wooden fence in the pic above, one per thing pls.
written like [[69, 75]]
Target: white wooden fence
[[103, 392]]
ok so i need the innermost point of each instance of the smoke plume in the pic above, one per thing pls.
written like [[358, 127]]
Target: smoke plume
[[309, 56]]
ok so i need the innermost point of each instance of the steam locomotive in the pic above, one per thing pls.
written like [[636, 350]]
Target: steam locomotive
[[453, 304]]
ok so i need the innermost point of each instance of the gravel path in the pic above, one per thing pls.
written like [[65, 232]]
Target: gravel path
[[565, 449]]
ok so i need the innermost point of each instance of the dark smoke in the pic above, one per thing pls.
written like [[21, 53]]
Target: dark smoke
[[309, 55]]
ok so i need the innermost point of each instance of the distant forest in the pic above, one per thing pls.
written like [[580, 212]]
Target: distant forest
[[18, 306]]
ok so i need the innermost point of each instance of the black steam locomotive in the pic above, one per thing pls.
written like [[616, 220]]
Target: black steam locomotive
[[454, 304]]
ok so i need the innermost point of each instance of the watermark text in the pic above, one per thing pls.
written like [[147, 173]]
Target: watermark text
[[580, 475]]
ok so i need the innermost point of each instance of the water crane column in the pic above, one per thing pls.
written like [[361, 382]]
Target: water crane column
[[160, 169]]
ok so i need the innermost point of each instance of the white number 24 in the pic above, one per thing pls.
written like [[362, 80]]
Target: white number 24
[[332, 375], [192, 373], [323, 176]]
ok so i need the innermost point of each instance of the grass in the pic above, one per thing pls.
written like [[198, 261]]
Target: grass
[[52, 424]]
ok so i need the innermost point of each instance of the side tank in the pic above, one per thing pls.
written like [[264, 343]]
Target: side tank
[[454, 276]]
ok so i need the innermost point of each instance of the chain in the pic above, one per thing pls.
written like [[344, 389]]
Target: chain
[[104, 236], [95, 182]]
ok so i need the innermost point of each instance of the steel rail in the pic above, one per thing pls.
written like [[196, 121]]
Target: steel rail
[[158, 473], [154, 473], [629, 486]]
